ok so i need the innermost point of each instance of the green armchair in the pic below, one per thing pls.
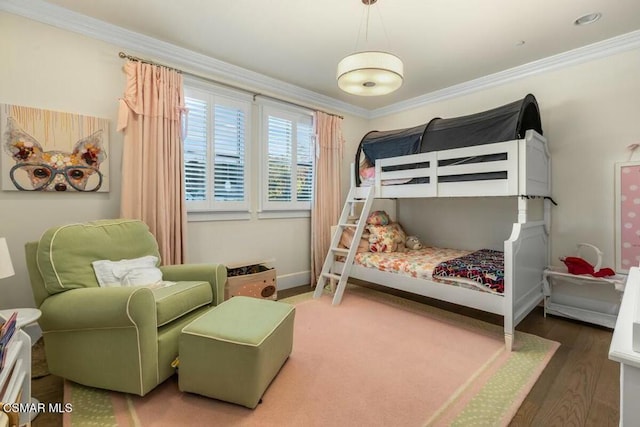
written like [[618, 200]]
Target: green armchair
[[121, 338]]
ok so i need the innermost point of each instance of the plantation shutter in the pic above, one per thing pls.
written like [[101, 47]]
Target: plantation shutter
[[195, 150], [305, 161], [215, 160], [280, 146], [289, 153], [229, 161]]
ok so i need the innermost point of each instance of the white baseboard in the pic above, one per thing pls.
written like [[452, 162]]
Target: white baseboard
[[292, 280]]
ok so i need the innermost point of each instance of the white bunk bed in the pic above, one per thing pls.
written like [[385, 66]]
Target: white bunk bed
[[526, 251]]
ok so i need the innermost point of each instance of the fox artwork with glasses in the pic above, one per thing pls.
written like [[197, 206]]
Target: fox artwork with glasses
[[54, 170]]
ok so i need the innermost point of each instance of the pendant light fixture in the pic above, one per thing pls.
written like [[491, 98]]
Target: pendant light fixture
[[370, 73]]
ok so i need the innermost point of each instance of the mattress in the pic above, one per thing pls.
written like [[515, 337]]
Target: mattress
[[420, 264]]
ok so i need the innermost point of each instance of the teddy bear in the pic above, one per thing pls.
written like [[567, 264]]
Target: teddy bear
[[386, 238], [413, 242], [376, 244]]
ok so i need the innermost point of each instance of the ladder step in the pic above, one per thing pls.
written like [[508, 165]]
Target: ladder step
[[331, 276], [348, 225], [341, 250]]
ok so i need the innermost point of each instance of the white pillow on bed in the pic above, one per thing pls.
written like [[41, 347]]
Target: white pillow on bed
[[127, 272]]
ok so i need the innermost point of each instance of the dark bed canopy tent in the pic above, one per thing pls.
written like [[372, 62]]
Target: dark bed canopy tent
[[505, 123]]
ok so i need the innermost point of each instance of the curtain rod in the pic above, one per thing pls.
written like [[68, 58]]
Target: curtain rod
[[254, 94]]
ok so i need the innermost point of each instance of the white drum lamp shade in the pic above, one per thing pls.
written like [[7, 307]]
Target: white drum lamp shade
[[370, 73], [6, 268]]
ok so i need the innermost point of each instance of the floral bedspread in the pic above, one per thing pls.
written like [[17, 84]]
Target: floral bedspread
[[485, 266], [416, 263]]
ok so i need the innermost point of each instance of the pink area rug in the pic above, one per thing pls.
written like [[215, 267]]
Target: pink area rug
[[375, 360]]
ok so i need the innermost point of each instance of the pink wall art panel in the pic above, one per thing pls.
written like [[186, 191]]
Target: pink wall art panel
[[627, 216], [43, 150]]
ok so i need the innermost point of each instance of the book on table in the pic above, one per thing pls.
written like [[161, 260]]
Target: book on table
[[6, 333]]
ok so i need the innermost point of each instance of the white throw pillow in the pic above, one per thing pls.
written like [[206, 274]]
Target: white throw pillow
[[123, 273], [140, 276]]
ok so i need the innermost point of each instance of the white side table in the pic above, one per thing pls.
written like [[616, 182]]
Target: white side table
[[26, 316], [582, 297]]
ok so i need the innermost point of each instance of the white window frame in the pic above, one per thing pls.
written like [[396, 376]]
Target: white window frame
[[273, 209], [209, 208]]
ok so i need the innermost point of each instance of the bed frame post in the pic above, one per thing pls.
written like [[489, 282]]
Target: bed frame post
[[352, 211], [508, 341], [525, 258], [522, 210], [509, 291], [547, 226]]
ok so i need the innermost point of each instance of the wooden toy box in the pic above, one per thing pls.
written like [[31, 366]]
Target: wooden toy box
[[256, 281]]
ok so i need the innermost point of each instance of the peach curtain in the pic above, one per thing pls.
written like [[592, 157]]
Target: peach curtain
[[152, 187], [327, 198]]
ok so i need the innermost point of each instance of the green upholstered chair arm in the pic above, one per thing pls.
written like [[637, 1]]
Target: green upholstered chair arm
[[103, 337], [99, 308], [215, 274]]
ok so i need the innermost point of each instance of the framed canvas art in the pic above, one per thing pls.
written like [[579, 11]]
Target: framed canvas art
[[44, 150], [627, 215]]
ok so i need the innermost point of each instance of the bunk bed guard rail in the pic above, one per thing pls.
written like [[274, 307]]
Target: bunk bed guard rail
[[506, 123]]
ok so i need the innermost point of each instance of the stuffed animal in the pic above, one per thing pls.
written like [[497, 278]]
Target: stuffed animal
[[378, 218], [413, 243], [376, 244], [386, 238]]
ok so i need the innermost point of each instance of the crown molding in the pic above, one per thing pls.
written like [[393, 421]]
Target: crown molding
[[590, 52], [160, 51], [48, 13]]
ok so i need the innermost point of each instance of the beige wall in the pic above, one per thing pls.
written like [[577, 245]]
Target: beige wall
[[590, 113], [57, 70], [45, 67]]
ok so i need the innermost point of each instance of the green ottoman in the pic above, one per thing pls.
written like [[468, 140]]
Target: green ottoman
[[235, 350]]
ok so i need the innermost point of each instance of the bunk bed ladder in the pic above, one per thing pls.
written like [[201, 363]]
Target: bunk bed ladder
[[326, 275]]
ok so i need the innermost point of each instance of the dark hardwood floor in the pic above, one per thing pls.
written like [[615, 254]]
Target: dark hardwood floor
[[579, 387], [47, 389]]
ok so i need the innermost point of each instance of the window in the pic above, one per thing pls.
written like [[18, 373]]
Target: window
[[218, 160], [215, 152], [288, 154]]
